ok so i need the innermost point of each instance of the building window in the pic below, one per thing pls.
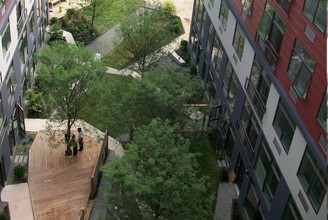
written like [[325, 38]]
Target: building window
[[322, 114], [199, 9], [315, 11], [32, 22], [230, 85], [291, 212], [11, 82], [210, 37], [313, 179], [223, 15], [267, 171], [23, 51], [285, 5], [248, 129], [258, 87], [1, 111], [284, 126], [271, 31], [19, 9], [239, 41], [217, 53], [300, 68], [247, 7], [5, 39], [211, 87], [251, 204]]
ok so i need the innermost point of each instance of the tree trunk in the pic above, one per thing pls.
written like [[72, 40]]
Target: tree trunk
[[94, 5]]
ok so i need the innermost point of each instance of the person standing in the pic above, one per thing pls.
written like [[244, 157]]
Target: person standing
[[80, 139], [73, 144]]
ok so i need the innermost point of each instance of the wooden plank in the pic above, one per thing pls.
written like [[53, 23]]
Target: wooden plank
[[60, 185]]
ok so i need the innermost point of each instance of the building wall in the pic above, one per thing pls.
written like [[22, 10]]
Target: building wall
[[303, 111], [28, 30]]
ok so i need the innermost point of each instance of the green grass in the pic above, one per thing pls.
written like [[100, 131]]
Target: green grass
[[115, 13]]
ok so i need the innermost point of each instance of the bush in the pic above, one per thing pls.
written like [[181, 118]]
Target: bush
[[53, 20], [193, 70], [19, 171], [3, 216], [169, 7]]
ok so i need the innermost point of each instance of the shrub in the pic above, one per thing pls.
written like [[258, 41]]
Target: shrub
[[19, 171], [53, 20], [3, 216], [70, 12], [193, 70], [169, 7]]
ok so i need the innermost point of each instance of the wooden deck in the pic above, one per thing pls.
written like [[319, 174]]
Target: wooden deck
[[60, 185]]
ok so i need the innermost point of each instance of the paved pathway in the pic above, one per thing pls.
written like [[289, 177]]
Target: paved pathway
[[226, 194]]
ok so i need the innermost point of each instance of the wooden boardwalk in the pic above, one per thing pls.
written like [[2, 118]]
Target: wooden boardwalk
[[60, 185]]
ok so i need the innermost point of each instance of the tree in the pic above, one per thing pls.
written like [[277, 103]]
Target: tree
[[95, 9], [158, 93], [66, 74], [141, 36], [158, 177]]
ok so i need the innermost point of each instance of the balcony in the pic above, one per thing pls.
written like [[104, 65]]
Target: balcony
[[255, 99]]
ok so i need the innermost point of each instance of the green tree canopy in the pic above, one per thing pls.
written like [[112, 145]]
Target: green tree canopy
[[140, 35], [66, 74], [158, 177], [129, 105]]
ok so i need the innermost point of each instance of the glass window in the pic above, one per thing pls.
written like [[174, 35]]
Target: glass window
[[259, 88], [23, 51], [300, 68], [284, 126], [271, 31], [291, 212], [230, 85], [11, 82], [239, 41], [223, 15], [32, 23], [210, 37], [211, 87], [252, 204], [315, 11], [313, 179], [199, 14], [250, 129], [217, 53], [285, 5], [267, 171], [5, 39], [322, 114]]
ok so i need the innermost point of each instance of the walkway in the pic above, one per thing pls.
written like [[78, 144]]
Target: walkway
[[226, 194]]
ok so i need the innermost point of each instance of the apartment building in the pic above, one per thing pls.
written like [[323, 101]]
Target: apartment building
[[264, 65], [22, 31]]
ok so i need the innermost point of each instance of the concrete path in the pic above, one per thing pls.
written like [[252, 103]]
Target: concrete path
[[105, 43], [226, 194], [18, 198]]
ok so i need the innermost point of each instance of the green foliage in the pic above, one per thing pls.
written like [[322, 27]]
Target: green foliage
[[56, 33], [76, 23], [19, 171], [193, 70], [143, 35], [53, 20], [66, 74], [3, 216], [158, 176], [35, 100], [169, 7]]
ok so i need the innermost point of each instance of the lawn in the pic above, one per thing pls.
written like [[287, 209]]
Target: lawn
[[115, 13]]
